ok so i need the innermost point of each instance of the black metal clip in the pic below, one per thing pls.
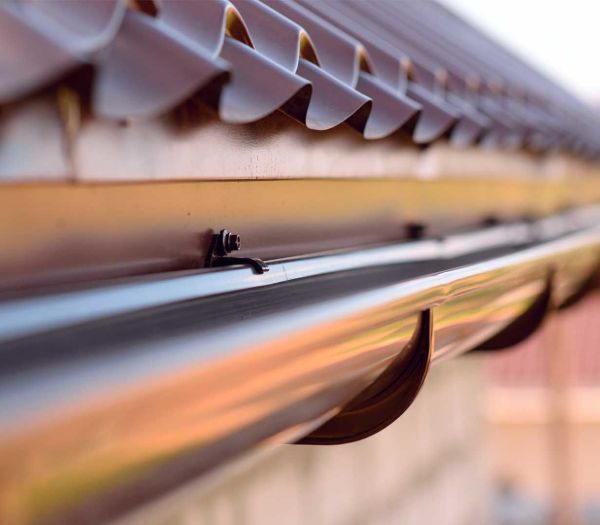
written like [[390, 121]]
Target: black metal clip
[[225, 242]]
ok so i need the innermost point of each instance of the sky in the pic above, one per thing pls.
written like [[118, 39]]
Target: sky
[[559, 37]]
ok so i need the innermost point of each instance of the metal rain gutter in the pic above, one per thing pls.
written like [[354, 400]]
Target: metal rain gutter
[[138, 387]]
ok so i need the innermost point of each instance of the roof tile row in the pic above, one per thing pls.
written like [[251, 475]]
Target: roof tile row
[[379, 66]]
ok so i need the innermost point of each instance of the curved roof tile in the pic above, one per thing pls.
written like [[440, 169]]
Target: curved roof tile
[[379, 66]]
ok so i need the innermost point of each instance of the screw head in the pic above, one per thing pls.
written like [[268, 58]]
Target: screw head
[[233, 242], [227, 242], [415, 231]]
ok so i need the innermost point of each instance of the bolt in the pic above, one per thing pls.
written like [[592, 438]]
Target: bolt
[[490, 221], [415, 231], [232, 242], [228, 242]]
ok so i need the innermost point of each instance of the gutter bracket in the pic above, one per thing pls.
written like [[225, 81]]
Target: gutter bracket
[[523, 326], [387, 398], [225, 242]]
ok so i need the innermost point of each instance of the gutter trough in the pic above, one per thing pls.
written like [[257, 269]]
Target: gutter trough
[[130, 389]]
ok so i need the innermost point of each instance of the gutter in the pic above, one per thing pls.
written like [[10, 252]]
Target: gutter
[[128, 390]]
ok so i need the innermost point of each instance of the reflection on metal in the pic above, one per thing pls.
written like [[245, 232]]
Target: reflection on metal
[[465, 320], [111, 398], [387, 398], [523, 326], [127, 423], [586, 286], [572, 275]]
